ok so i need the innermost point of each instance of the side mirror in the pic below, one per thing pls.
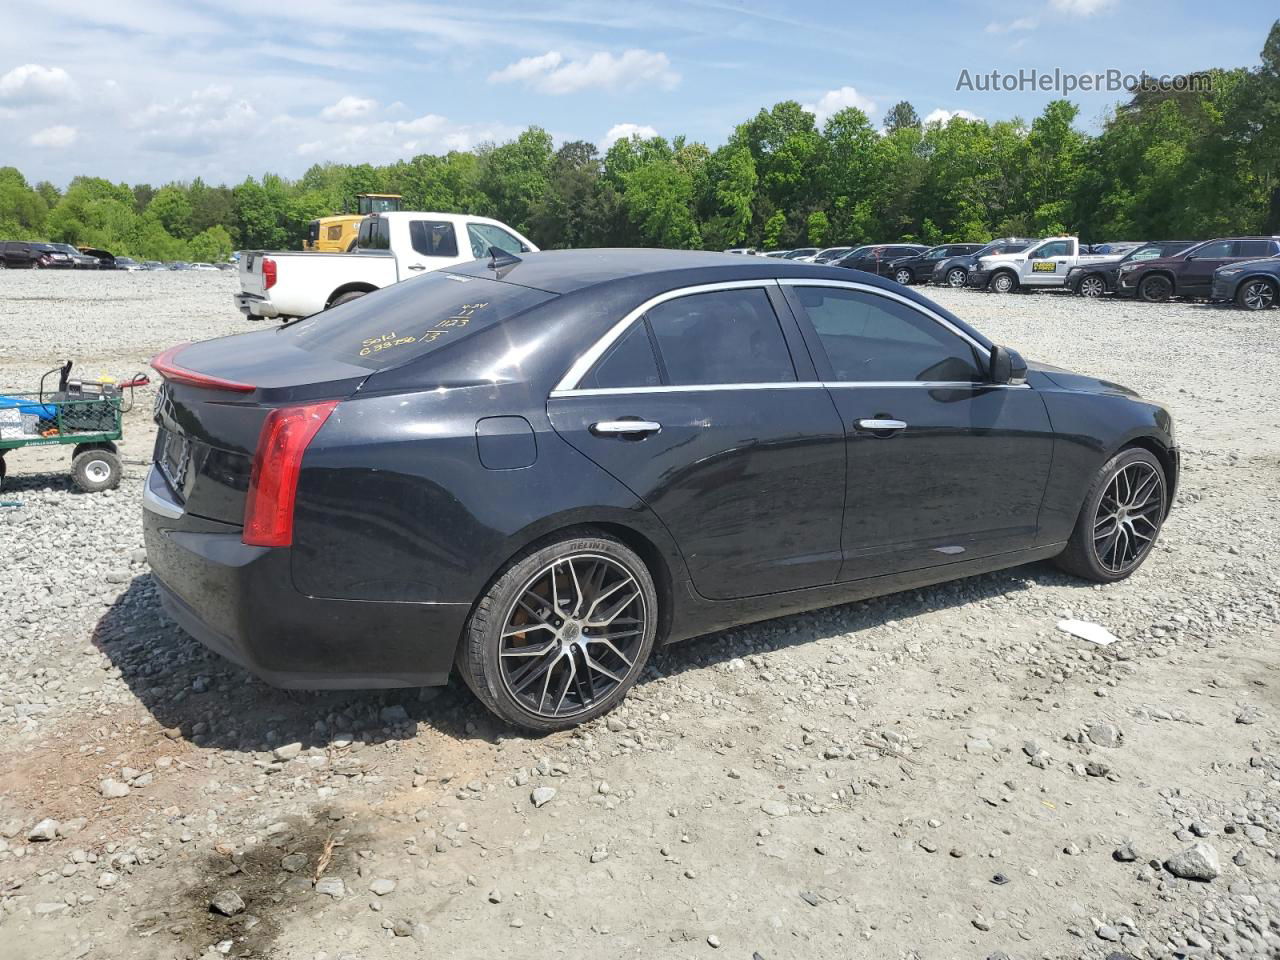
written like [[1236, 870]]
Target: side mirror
[[1008, 367]]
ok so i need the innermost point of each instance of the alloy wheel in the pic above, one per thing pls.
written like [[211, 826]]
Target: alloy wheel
[[903, 277], [1092, 287], [956, 277], [572, 635], [1003, 283], [1156, 289], [1258, 295], [1128, 517]]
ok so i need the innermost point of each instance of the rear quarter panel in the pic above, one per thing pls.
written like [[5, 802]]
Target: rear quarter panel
[[394, 503]]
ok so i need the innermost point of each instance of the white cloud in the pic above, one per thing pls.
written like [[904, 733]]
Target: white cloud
[[945, 116], [348, 108], [1083, 8], [833, 101], [551, 72], [1012, 26], [31, 83], [54, 137], [201, 123], [625, 131]]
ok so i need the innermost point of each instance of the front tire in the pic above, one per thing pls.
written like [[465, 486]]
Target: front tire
[[562, 634], [1003, 282], [956, 277], [1157, 289], [903, 277], [1120, 519], [1091, 286], [1256, 295]]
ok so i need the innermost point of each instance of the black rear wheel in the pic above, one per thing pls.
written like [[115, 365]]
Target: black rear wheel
[[562, 634], [1120, 519]]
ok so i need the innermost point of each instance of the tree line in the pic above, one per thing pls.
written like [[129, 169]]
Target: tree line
[[1165, 165]]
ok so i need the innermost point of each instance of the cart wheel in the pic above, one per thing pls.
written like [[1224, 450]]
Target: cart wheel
[[95, 470]]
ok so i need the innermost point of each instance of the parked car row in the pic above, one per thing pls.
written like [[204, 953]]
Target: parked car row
[[1241, 270], [38, 255]]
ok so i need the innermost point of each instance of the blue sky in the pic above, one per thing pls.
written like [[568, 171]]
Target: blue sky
[[151, 90]]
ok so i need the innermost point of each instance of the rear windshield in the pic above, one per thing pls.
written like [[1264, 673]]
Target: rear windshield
[[410, 319]]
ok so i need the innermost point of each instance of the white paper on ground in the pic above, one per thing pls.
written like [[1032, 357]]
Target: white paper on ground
[[1088, 631]]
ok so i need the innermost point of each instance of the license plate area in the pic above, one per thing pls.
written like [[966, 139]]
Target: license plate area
[[173, 457]]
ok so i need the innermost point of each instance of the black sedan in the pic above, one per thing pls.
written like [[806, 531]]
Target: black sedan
[[1252, 285], [536, 471], [876, 258], [918, 268]]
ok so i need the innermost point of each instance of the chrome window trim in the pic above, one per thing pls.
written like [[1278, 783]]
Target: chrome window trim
[[582, 366], [567, 386], [791, 385]]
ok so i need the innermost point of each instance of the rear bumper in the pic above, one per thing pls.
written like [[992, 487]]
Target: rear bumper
[[252, 305], [240, 602]]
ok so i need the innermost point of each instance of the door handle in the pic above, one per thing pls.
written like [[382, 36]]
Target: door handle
[[417, 266], [612, 428], [873, 425]]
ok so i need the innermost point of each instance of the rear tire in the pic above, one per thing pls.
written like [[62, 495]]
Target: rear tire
[[1257, 295], [1113, 537], [551, 590], [96, 470], [346, 298]]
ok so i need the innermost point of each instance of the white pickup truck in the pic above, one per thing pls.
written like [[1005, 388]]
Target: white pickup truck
[[389, 247], [1045, 263]]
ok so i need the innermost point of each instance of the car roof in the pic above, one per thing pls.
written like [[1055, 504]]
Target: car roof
[[565, 271]]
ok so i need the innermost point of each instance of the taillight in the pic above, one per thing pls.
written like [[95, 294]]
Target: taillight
[[268, 273], [273, 483], [165, 366]]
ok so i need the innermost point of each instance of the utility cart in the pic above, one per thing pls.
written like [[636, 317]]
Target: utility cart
[[87, 414]]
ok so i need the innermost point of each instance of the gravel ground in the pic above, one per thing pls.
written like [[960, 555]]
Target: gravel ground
[[936, 774]]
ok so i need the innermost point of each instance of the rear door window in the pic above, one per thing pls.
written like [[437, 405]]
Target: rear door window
[[630, 362], [726, 336], [411, 319], [433, 238]]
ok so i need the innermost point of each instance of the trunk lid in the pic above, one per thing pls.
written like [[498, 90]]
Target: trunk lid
[[212, 404]]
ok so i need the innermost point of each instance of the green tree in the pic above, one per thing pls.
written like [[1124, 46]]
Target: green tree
[[210, 245], [514, 176]]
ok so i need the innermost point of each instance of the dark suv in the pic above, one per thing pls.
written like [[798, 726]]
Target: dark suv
[[954, 271], [876, 258], [1252, 284], [1095, 279], [1190, 273], [18, 255], [919, 268]]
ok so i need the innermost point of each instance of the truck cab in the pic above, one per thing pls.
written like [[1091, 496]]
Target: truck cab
[[1044, 263], [388, 248]]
